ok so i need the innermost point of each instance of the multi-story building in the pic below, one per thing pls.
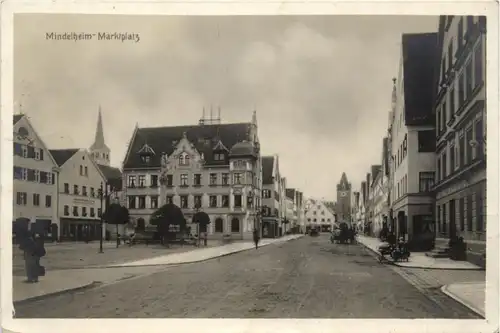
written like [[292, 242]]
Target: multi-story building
[[79, 204], [291, 194], [343, 208], [283, 206], [413, 138], [270, 196], [301, 212], [361, 221], [461, 131], [318, 215], [211, 167], [35, 178], [379, 201], [290, 214]]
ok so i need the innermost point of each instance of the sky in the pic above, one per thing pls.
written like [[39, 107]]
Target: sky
[[321, 85]]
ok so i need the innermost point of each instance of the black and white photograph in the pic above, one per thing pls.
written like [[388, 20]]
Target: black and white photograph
[[222, 166]]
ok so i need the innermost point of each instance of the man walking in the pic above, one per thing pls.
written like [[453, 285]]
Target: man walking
[[256, 238]]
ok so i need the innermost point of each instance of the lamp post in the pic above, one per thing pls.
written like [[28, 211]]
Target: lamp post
[[103, 195]]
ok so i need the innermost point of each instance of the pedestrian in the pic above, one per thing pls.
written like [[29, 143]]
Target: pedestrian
[[39, 253], [205, 238], [256, 238], [27, 245]]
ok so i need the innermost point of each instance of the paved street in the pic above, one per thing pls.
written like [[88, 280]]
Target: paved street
[[303, 278]]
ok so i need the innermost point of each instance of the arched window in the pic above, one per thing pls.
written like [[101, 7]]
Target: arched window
[[219, 225], [186, 159], [235, 225]]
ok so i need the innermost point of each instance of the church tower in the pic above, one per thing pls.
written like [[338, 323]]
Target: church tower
[[343, 209], [99, 151]]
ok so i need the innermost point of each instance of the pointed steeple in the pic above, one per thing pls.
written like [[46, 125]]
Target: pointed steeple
[[394, 95], [99, 151], [254, 118], [344, 183]]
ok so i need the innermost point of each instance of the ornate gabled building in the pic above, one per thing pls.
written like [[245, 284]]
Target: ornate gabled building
[[343, 208], [211, 167], [270, 196]]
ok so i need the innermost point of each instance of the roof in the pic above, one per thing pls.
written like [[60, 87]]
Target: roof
[[99, 134], [113, 176], [375, 171], [17, 117], [243, 148], [164, 140], [290, 193], [420, 52], [62, 155], [267, 170], [344, 183]]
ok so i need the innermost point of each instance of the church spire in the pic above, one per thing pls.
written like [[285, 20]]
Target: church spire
[[394, 95], [99, 150]]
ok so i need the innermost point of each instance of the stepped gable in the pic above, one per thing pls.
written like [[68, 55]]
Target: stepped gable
[[164, 140]]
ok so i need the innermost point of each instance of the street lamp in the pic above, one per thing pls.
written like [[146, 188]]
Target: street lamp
[[103, 195]]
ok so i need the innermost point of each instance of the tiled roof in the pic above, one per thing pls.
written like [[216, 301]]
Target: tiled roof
[[62, 155], [267, 170], [113, 176], [243, 148], [17, 117], [203, 137], [420, 52]]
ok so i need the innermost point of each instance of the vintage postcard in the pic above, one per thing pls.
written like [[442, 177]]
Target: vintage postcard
[[281, 166]]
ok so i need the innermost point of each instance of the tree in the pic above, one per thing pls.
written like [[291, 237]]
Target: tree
[[116, 214], [165, 216]]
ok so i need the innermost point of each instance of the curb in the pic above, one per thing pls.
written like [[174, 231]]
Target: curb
[[56, 293], [424, 267], [444, 290]]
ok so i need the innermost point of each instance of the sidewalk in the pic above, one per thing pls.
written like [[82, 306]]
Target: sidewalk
[[204, 253], [470, 294], [419, 259], [60, 281]]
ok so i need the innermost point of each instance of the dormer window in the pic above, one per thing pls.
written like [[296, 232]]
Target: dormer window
[[219, 156], [146, 153], [184, 159]]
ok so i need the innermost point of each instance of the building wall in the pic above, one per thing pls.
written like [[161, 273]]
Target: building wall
[[26, 207], [318, 214]]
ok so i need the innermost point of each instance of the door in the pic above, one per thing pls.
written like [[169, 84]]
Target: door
[[453, 224]]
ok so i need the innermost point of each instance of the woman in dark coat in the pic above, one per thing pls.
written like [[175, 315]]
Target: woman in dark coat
[[256, 238]]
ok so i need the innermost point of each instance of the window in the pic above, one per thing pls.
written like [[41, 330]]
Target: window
[[322, 213], [461, 208], [426, 141], [184, 179], [468, 79], [197, 179], [266, 194], [99, 212], [461, 91], [197, 201], [170, 180], [237, 200], [24, 151], [314, 212], [452, 102], [66, 210], [131, 202], [146, 159], [184, 201], [468, 149], [81, 170], [75, 189], [131, 181], [445, 165], [154, 180], [225, 201], [213, 179], [84, 190], [237, 178], [184, 159], [479, 138], [213, 201], [225, 179], [219, 225], [426, 181], [452, 158], [141, 180], [84, 211], [86, 171], [219, 157], [478, 64], [37, 176], [154, 201], [48, 201], [469, 212], [75, 211], [314, 220], [66, 188], [142, 202], [50, 178], [461, 151], [36, 199], [170, 199], [92, 212], [38, 154], [235, 225], [92, 192]]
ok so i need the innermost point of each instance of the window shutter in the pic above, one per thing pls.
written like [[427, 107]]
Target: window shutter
[[31, 152], [41, 154], [53, 178], [31, 175]]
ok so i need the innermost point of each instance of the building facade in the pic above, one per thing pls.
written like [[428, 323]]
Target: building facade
[[413, 139], [461, 131], [215, 168], [319, 216], [79, 203], [270, 196], [35, 178], [378, 199], [343, 209]]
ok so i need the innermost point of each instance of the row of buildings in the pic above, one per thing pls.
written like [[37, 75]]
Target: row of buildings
[[430, 183], [210, 166]]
